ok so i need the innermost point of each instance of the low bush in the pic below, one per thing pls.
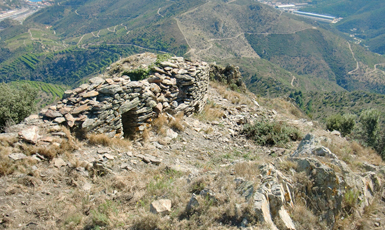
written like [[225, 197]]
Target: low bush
[[343, 123], [270, 133], [15, 105]]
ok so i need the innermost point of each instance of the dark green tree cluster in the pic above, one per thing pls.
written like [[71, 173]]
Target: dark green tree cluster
[[367, 129], [298, 97], [343, 123], [16, 104]]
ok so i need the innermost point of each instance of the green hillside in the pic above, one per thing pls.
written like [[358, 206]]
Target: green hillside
[[74, 39], [325, 104], [47, 93], [367, 17]]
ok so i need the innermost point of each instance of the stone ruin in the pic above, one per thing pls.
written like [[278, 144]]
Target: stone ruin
[[118, 106]]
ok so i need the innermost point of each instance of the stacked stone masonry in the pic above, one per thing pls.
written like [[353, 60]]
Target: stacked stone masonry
[[119, 107]]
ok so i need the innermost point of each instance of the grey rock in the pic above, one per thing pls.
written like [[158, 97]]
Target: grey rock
[[52, 114], [59, 120], [128, 105], [67, 94], [30, 134], [323, 152], [58, 162], [171, 134], [96, 81], [17, 156], [88, 124], [70, 120], [111, 89], [162, 206], [90, 94], [193, 203], [168, 64], [80, 109]]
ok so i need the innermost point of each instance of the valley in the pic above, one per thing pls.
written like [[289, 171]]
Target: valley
[[277, 51]]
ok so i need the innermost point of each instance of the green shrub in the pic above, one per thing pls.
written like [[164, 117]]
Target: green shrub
[[351, 200], [270, 133], [370, 125], [161, 58], [15, 105], [343, 123], [137, 74]]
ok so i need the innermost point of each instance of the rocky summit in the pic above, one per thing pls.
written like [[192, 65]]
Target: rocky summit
[[199, 154]]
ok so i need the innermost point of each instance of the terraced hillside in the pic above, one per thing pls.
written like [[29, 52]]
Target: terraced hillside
[[75, 39]]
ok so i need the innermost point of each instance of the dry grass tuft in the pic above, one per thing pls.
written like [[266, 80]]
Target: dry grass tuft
[[211, 112], [163, 122], [160, 121], [247, 170], [352, 153], [177, 122], [8, 141], [7, 166], [99, 139], [146, 134], [233, 96], [148, 221], [104, 140], [305, 219], [286, 165]]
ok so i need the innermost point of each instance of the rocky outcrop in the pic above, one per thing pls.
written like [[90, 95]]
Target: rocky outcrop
[[117, 106], [229, 75], [330, 185]]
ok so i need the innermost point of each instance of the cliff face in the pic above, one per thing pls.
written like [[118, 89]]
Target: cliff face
[[181, 172]]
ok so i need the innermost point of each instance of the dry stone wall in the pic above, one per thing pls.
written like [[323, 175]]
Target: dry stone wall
[[118, 107]]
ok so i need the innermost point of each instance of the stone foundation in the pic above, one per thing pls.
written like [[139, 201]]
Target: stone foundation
[[118, 107]]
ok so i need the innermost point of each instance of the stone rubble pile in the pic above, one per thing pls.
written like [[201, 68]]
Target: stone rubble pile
[[120, 107]]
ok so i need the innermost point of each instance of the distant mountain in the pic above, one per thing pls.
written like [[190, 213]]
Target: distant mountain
[[74, 39]]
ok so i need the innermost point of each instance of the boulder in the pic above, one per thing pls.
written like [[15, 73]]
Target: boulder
[[162, 206], [193, 203], [30, 134]]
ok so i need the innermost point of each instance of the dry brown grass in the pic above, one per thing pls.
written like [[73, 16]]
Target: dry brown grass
[[6, 164], [211, 112], [283, 107], [177, 122], [248, 171], [286, 165], [49, 151], [233, 96], [104, 140], [352, 153], [9, 166], [8, 141], [305, 219]]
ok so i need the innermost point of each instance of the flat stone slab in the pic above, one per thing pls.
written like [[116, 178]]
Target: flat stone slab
[[30, 134], [17, 156]]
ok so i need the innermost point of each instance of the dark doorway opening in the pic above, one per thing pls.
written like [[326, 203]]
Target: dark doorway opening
[[130, 123]]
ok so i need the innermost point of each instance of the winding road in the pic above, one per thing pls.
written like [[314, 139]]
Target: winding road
[[354, 57], [159, 12]]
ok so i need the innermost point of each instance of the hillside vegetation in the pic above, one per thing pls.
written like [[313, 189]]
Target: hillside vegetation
[[367, 17], [278, 53]]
